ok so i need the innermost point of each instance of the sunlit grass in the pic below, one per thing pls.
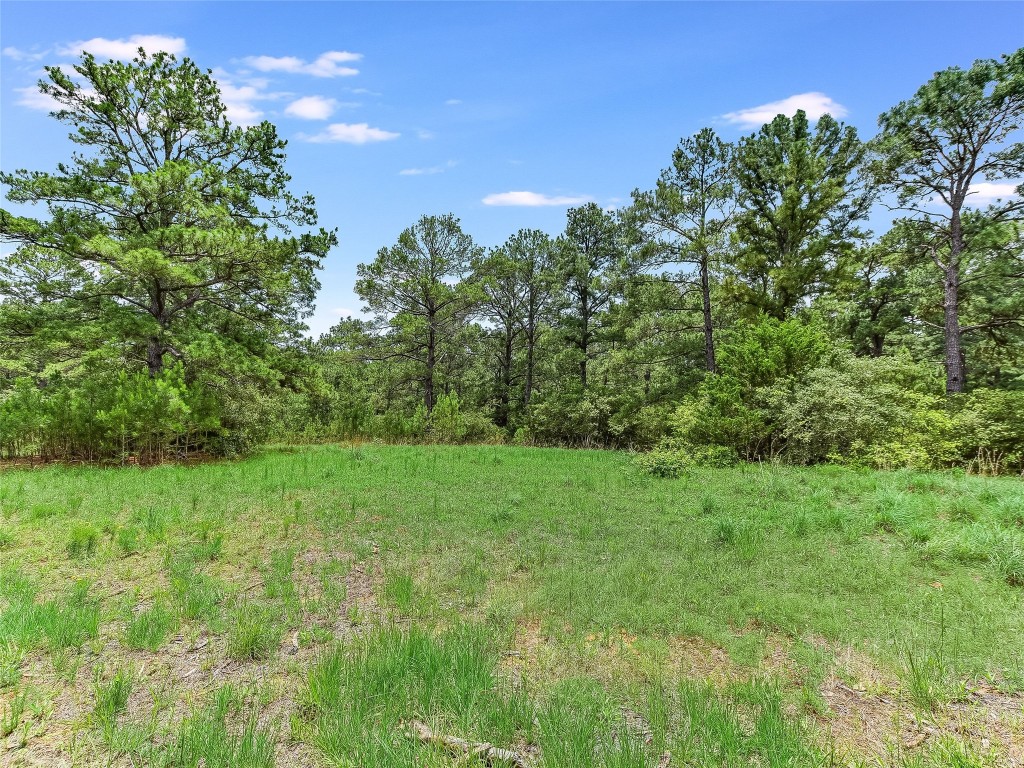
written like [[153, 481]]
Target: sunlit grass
[[458, 549]]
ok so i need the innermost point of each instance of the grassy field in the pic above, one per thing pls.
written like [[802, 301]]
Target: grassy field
[[368, 606]]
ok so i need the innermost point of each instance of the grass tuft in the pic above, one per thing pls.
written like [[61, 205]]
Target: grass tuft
[[253, 634], [149, 628], [83, 540]]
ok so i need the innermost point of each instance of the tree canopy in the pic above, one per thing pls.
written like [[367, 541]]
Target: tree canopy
[[166, 235]]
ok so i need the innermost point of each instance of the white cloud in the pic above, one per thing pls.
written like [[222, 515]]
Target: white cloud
[[32, 98], [19, 55], [985, 192], [365, 91], [428, 171], [982, 193], [453, 102], [312, 108], [354, 133], [326, 64], [532, 199], [815, 104], [240, 98], [125, 48]]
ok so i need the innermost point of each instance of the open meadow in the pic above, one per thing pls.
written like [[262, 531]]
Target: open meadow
[[371, 605]]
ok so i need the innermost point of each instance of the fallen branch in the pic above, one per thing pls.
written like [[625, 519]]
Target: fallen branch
[[490, 754]]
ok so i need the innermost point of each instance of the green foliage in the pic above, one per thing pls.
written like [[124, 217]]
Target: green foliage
[[800, 199], [672, 457], [157, 255]]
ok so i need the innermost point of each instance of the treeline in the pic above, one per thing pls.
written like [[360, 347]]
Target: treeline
[[738, 309]]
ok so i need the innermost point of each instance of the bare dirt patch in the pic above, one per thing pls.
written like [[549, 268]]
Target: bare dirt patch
[[871, 716], [171, 681]]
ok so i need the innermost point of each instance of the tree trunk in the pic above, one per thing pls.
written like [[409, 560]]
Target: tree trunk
[[584, 343], [155, 345], [955, 367], [877, 344], [709, 340], [528, 386], [505, 382], [428, 381], [155, 356]]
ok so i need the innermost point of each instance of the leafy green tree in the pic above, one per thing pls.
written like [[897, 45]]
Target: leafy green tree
[[933, 152], [161, 225], [419, 298], [871, 299], [166, 243], [687, 217], [518, 284], [591, 261], [800, 197]]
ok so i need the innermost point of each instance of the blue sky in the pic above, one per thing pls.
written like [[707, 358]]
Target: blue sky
[[396, 110]]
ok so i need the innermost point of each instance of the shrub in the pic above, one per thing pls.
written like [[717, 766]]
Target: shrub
[[672, 458]]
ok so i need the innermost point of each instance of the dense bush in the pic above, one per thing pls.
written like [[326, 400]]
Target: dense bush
[[113, 415], [787, 393]]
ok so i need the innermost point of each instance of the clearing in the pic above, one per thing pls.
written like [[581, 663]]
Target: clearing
[[407, 606]]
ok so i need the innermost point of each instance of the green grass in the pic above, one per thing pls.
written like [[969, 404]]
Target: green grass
[[538, 594], [253, 632], [149, 628]]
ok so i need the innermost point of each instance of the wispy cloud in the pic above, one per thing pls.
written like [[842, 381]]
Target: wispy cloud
[[532, 199], [19, 55], [240, 97], [815, 104], [425, 134], [434, 169], [325, 65], [453, 102], [31, 97], [312, 108], [985, 192], [350, 133], [124, 48]]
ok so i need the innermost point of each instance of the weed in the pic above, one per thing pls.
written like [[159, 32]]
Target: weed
[[83, 539], [11, 657], [800, 525], [1007, 561], [724, 531], [398, 589], [149, 628], [253, 633], [961, 510], [111, 696], [277, 577], [127, 540], [12, 714], [205, 739], [40, 512], [197, 595]]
